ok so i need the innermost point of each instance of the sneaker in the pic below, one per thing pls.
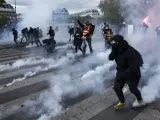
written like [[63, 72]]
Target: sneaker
[[120, 105], [138, 103]]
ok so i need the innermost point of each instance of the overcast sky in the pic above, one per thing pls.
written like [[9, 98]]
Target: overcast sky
[[71, 5]]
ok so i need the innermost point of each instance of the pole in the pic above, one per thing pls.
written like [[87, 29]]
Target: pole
[[16, 11]]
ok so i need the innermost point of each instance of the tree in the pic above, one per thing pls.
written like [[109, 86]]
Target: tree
[[2, 2], [117, 11], [111, 10], [3, 20]]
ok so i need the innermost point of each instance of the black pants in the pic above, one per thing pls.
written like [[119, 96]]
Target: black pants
[[38, 42], [15, 39], [133, 86], [89, 41], [78, 44]]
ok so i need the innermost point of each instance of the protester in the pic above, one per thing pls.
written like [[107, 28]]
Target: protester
[[128, 62], [15, 35]]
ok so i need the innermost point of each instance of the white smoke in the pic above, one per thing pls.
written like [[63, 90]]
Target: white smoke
[[84, 78], [77, 75], [62, 62], [90, 73], [39, 14], [25, 62], [148, 45]]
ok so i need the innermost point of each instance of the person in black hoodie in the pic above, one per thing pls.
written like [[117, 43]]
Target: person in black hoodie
[[78, 39], [15, 35], [30, 34], [128, 62], [36, 37], [51, 32]]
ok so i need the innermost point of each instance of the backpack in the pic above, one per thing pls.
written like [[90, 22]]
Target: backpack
[[93, 28], [138, 58]]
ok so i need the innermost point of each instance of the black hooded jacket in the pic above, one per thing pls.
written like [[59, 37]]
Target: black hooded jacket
[[127, 64]]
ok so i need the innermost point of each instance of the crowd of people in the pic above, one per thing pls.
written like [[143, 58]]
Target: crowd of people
[[31, 35], [127, 58], [82, 35]]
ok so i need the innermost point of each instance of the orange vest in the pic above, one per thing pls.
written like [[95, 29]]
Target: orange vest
[[86, 31], [107, 34]]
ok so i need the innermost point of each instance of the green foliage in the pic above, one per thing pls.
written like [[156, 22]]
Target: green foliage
[[117, 11], [2, 3], [111, 10], [3, 20]]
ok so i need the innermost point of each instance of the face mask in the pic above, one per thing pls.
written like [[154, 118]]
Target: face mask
[[113, 43]]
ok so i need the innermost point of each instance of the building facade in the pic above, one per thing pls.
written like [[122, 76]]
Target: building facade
[[94, 13], [60, 15]]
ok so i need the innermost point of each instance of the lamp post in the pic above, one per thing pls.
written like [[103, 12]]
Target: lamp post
[[16, 10]]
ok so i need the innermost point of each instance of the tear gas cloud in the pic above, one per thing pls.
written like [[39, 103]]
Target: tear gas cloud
[[86, 79], [78, 77], [148, 45], [94, 70], [40, 12]]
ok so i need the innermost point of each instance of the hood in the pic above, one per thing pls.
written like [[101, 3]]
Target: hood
[[122, 46], [119, 44]]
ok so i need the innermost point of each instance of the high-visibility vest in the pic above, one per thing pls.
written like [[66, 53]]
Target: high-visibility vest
[[86, 31], [107, 34]]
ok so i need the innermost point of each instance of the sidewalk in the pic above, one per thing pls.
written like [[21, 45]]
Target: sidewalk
[[100, 107], [7, 46]]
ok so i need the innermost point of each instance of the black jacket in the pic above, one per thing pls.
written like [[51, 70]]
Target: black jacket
[[127, 64], [71, 31], [36, 33], [78, 34], [15, 33], [51, 32]]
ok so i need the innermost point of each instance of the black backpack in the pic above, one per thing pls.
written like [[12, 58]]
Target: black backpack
[[93, 28], [138, 57]]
